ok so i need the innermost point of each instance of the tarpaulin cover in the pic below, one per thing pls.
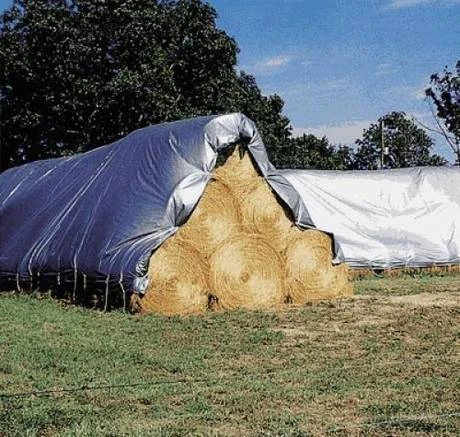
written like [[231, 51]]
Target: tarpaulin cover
[[386, 218], [102, 213]]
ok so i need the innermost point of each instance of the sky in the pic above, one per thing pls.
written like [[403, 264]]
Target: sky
[[341, 64]]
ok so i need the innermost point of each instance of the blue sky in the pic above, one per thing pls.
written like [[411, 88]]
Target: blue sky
[[341, 64]]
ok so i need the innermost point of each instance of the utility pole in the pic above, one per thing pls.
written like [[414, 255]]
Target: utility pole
[[382, 155]]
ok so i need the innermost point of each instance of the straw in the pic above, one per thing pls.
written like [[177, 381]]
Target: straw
[[177, 280], [309, 271], [246, 272], [214, 219], [262, 212]]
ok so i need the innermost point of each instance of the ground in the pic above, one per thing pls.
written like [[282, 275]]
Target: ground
[[383, 363]]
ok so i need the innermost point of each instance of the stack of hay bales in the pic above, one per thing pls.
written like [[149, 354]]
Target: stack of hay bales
[[241, 249]]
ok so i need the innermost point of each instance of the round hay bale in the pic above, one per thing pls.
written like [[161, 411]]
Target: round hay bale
[[333, 283], [214, 219], [313, 238], [309, 271], [177, 281], [344, 284], [262, 212], [246, 272]]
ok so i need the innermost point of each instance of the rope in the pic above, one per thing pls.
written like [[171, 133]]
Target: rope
[[75, 278], [106, 293], [123, 290]]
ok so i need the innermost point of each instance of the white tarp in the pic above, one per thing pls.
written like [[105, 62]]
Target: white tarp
[[386, 218]]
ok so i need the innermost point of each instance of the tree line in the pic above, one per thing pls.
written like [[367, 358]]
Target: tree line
[[77, 74]]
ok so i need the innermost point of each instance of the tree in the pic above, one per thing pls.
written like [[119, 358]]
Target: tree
[[266, 112], [311, 152], [77, 74], [445, 94], [408, 145]]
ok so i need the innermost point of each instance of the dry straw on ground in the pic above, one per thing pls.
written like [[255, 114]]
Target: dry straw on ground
[[246, 272], [178, 281]]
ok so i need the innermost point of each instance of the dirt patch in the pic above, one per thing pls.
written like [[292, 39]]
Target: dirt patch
[[372, 321], [296, 332], [447, 299]]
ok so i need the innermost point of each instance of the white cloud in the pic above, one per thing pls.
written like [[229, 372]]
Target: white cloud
[[405, 92], [268, 66], [400, 4], [322, 88], [277, 61], [306, 63], [411, 92], [385, 69], [343, 133]]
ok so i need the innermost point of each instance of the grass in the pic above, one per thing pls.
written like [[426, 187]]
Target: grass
[[384, 363]]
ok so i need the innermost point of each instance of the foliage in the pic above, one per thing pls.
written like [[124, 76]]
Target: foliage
[[82, 73], [445, 94], [309, 151], [266, 112], [77, 74], [408, 145]]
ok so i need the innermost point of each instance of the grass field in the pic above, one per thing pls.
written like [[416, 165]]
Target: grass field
[[384, 363]]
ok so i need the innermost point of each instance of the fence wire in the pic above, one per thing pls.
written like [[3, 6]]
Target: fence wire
[[207, 379]]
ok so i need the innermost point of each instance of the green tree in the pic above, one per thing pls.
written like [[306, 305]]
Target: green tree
[[77, 74], [445, 94], [405, 145], [266, 111], [310, 152]]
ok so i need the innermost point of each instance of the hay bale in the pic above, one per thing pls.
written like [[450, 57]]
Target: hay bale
[[135, 303], [262, 212], [215, 218], [334, 283], [178, 282], [239, 173], [310, 274], [246, 272], [238, 167]]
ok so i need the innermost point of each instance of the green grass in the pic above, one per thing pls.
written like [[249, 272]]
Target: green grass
[[385, 363]]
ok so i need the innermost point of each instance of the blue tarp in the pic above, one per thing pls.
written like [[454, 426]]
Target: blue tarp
[[102, 213]]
